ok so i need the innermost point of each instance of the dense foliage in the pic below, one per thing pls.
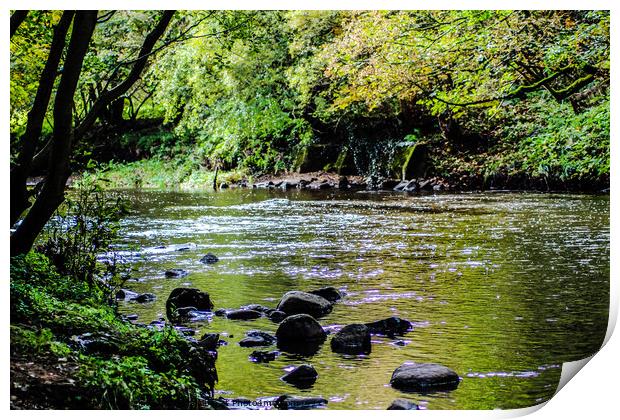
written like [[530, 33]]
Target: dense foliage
[[522, 93]]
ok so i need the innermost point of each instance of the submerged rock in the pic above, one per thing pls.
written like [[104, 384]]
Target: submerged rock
[[243, 314], [144, 297], [403, 404], [390, 326], [352, 339], [328, 293], [209, 258], [183, 297], [416, 377], [176, 273], [303, 376], [300, 334], [257, 339], [296, 302], [259, 356], [285, 402]]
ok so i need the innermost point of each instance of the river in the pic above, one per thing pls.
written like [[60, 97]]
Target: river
[[500, 287]]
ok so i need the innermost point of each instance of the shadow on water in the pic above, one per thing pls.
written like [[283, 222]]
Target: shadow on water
[[502, 288]]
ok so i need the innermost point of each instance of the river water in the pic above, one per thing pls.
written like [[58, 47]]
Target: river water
[[500, 287]]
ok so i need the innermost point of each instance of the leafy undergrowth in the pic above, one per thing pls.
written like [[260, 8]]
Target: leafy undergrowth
[[70, 350], [158, 173]]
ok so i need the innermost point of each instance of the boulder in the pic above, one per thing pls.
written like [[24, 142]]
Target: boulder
[[390, 326], [300, 334], [97, 343], [176, 273], [209, 258], [328, 293], [295, 302], [403, 404], [424, 377], [182, 297], [243, 314], [352, 339], [303, 376]]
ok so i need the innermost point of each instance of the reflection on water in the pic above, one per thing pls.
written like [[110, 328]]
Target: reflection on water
[[502, 288]]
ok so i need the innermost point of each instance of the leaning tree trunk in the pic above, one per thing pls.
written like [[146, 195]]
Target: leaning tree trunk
[[36, 116], [52, 194]]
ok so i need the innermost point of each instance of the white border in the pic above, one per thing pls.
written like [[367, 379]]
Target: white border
[[593, 394]]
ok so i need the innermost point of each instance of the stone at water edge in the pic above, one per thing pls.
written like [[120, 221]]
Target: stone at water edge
[[209, 341], [423, 377], [352, 339], [302, 376], [183, 297], [286, 402], [403, 404], [295, 302]]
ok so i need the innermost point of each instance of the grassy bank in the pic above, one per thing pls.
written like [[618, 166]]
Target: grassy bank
[[69, 349]]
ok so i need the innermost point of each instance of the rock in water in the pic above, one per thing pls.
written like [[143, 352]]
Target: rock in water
[[300, 334], [295, 302], [352, 339], [258, 356], [390, 326], [328, 293], [423, 377], [302, 376], [176, 273], [403, 404], [182, 297], [285, 402], [143, 298], [209, 258], [244, 314], [256, 339]]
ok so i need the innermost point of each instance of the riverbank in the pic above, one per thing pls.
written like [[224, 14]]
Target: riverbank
[[70, 349], [173, 175]]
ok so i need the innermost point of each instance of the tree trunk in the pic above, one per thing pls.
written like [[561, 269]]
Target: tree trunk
[[30, 139], [16, 19], [52, 194]]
